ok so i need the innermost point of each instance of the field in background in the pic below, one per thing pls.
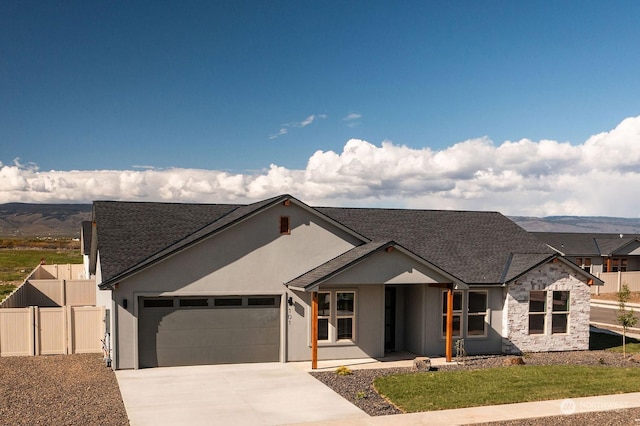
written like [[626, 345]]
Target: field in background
[[19, 256]]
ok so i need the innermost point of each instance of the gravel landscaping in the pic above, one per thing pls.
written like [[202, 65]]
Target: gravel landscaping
[[79, 389], [358, 387], [59, 390]]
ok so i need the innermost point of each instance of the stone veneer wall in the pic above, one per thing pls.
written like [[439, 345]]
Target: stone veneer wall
[[550, 276]]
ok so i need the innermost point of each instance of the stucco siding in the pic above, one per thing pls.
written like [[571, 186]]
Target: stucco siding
[[369, 326], [388, 268], [250, 258]]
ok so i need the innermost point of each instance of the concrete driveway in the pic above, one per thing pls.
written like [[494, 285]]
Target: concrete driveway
[[237, 394]]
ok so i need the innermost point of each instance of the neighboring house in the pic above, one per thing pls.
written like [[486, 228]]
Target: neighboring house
[[614, 258], [279, 280]]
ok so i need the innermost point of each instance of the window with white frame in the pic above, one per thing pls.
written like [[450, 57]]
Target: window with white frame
[[477, 313], [324, 315], [560, 312], [336, 316], [537, 311], [457, 313]]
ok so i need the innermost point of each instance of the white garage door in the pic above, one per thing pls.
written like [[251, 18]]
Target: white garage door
[[208, 330]]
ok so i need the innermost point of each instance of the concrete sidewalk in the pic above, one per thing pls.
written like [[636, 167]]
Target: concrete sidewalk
[[495, 413]]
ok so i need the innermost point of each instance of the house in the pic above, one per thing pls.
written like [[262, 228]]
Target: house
[[614, 258], [279, 280]]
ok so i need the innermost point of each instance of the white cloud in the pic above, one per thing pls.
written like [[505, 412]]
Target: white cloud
[[304, 123], [598, 177], [282, 131], [352, 116]]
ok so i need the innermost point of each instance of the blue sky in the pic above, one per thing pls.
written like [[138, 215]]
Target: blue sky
[[238, 86]]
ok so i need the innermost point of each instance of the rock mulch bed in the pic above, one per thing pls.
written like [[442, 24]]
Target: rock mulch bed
[[59, 390], [358, 387]]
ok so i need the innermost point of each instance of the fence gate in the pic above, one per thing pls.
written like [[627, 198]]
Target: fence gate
[[47, 331]]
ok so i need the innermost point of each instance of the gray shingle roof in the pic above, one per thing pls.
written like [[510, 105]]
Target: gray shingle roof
[[130, 232], [476, 247], [86, 236], [473, 246], [585, 244]]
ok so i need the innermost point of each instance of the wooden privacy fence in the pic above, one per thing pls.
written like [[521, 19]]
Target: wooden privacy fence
[[47, 331]]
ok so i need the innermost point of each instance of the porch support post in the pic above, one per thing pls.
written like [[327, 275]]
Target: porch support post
[[314, 330], [449, 331]]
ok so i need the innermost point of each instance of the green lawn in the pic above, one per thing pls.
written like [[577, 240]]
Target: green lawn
[[16, 264], [457, 389]]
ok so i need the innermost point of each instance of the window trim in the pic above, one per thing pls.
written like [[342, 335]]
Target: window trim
[[332, 318], [542, 313], [456, 313], [561, 313], [484, 314]]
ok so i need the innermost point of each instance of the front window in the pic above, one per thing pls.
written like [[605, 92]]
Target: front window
[[336, 316], [537, 311], [324, 315], [477, 313], [345, 314], [584, 263], [457, 313], [560, 312], [616, 264]]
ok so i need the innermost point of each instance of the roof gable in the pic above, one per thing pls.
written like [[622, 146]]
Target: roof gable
[[130, 232], [354, 257], [220, 216], [473, 246]]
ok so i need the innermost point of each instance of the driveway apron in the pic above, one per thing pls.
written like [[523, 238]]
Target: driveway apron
[[238, 394]]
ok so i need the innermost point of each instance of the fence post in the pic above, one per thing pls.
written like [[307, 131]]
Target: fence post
[[70, 336], [619, 281], [34, 338]]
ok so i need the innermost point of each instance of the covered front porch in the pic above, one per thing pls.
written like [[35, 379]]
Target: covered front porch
[[377, 300]]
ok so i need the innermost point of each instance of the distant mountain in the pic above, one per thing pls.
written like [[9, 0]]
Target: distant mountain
[[63, 221], [579, 224], [43, 220]]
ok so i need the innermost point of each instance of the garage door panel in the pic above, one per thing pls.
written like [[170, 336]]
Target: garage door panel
[[208, 335], [225, 355]]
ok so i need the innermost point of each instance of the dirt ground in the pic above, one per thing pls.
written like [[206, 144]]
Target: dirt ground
[[635, 297], [59, 390]]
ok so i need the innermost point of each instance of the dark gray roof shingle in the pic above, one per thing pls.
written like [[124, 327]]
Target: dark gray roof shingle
[[476, 247], [473, 246], [130, 232], [585, 244]]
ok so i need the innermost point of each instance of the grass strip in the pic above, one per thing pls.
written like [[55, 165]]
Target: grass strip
[[16, 264], [430, 391]]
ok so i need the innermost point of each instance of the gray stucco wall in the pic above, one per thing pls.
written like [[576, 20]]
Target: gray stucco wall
[[249, 258], [548, 277], [369, 328]]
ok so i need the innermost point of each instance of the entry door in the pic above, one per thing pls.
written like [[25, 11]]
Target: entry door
[[389, 319]]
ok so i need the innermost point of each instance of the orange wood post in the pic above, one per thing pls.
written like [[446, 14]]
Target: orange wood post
[[314, 330], [449, 332]]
